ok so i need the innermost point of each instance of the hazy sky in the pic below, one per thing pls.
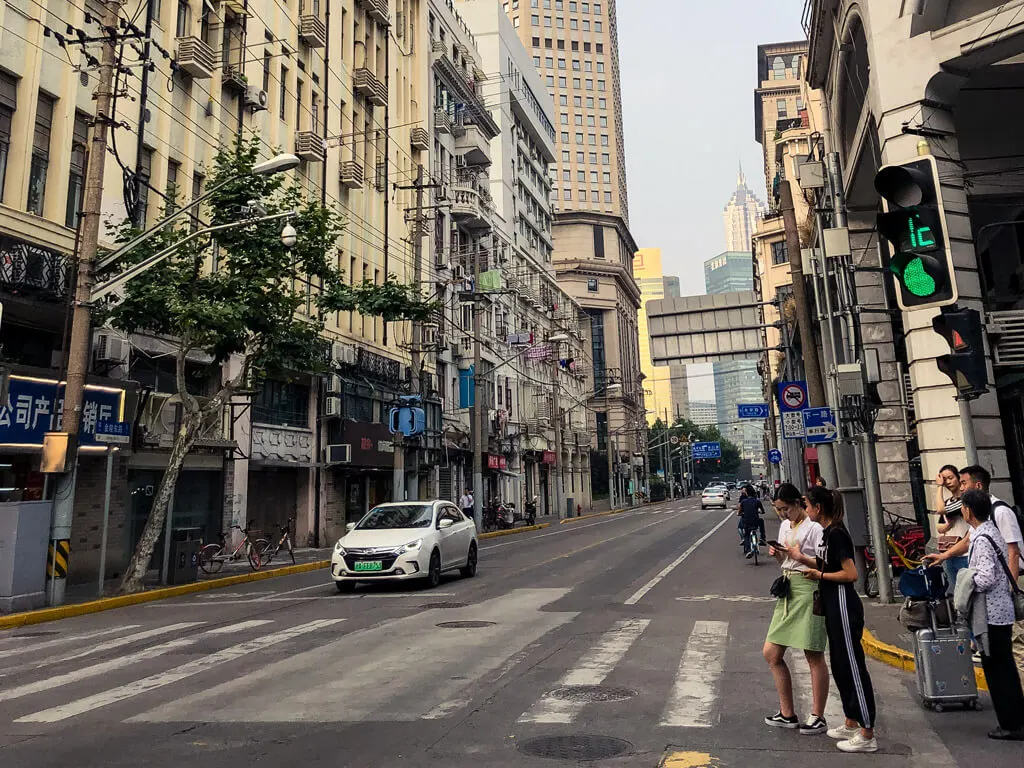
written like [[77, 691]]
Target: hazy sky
[[689, 69]]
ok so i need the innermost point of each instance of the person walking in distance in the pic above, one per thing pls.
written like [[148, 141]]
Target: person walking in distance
[[834, 571], [466, 502], [991, 583], [794, 622]]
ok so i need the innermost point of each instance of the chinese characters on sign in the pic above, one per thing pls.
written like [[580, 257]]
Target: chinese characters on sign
[[496, 462], [36, 406]]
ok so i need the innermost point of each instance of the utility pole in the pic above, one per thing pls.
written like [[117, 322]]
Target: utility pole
[[417, 326], [559, 480], [611, 469], [81, 318], [478, 407], [812, 368]]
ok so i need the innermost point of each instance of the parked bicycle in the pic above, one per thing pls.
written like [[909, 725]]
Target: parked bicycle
[[213, 556], [905, 541], [268, 550]]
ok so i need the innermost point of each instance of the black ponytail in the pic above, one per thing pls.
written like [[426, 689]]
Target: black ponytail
[[831, 503], [788, 493]]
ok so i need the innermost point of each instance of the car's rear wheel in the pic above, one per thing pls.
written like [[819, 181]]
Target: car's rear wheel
[[469, 571], [345, 586], [434, 570]]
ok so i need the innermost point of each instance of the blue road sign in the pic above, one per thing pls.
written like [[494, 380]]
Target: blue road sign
[[820, 426], [775, 456], [707, 450], [753, 410], [792, 395]]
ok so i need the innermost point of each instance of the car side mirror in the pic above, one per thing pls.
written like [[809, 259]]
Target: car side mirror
[[446, 523], [349, 527]]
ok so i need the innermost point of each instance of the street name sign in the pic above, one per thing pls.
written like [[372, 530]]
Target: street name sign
[[113, 432], [753, 410], [707, 450], [820, 426]]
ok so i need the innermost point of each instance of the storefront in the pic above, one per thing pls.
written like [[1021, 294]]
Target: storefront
[[366, 481]]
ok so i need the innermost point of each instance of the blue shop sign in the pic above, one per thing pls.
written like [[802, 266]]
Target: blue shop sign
[[36, 406]]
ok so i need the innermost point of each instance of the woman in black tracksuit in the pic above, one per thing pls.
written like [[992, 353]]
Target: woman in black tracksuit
[[836, 572]]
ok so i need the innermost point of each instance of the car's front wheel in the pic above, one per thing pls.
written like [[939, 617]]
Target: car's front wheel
[[434, 570], [345, 586], [469, 570]]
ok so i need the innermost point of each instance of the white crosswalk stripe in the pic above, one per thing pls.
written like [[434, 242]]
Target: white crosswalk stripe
[[692, 701], [119, 642], [592, 669], [162, 679], [802, 691], [27, 644]]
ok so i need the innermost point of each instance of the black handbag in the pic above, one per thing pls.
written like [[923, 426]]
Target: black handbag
[[780, 587]]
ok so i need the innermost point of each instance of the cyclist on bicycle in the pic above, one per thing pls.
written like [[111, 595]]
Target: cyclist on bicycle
[[751, 514]]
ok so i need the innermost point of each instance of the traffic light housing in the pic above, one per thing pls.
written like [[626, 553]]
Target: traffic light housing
[[914, 227], [965, 365]]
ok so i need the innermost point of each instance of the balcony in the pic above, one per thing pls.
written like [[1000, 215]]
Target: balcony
[[195, 57], [470, 206], [32, 271], [312, 30], [377, 10], [473, 145], [310, 146], [442, 121], [351, 174], [366, 83], [233, 79], [419, 139]]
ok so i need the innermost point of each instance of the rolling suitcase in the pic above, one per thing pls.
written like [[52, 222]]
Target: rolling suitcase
[[945, 670]]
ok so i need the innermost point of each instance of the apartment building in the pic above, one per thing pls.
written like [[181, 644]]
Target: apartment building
[[666, 391]]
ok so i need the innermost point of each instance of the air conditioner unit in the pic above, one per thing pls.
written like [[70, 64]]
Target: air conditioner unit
[[458, 272], [340, 453], [256, 99], [337, 349], [110, 348], [332, 406], [441, 193], [333, 384], [460, 161], [429, 334]]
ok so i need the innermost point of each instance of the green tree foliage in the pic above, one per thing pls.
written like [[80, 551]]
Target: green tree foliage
[[242, 296], [658, 432]]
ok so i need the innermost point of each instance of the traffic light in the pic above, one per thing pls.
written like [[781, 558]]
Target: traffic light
[[965, 365], [914, 226]]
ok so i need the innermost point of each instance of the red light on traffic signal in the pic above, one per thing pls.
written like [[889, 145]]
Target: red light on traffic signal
[[958, 342]]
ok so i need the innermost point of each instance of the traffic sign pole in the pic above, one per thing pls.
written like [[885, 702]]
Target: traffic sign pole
[[106, 518]]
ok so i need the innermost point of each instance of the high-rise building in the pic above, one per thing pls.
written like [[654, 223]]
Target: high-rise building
[[703, 413], [736, 382], [574, 48], [741, 215], [666, 384]]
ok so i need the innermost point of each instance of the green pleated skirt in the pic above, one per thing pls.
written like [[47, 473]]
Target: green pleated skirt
[[794, 624]]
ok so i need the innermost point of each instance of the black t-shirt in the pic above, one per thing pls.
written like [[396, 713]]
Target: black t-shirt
[[836, 548], [750, 510]]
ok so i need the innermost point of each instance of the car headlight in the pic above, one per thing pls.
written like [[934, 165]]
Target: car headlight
[[338, 548], [412, 546]]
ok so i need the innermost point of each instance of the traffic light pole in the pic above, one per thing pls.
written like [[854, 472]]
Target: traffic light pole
[[967, 425]]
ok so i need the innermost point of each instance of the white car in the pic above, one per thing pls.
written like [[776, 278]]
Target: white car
[[406, 540], [721, 487], [714, 496]]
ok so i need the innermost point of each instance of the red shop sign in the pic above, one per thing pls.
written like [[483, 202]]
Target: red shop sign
[[496, 462], [549, 457]]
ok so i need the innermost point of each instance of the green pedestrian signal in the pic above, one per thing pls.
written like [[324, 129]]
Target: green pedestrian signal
[[913, 227]]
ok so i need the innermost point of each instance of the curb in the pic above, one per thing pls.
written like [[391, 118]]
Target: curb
[[902, 659], [587, 517], [513, 531], [121, 601]]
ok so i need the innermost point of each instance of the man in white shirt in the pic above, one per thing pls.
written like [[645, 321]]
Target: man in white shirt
[[978, 478], [466, 502]]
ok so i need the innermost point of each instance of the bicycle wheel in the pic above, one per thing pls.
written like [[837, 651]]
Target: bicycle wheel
[[263, 549], [254, 558], [754, 548], [209, 558]]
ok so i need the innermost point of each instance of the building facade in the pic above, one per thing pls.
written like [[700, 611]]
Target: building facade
[[703, 413], [740, 216], [666, 389]]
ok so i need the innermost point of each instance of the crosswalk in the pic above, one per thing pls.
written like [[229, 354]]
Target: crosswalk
[[426, 666]]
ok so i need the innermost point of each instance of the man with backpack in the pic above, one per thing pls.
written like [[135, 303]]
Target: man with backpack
[[1008, 521]]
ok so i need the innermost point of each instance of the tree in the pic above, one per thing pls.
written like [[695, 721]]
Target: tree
[[658, 432], [250, 308]]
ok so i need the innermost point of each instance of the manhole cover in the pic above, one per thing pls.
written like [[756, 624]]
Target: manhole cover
[[37, 634], [429, 606], [579, 747], [592, 694], [465, 624]]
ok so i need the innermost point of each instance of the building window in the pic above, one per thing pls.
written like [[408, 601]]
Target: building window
[[575, 65], [578, 119], [145, 174], [565, 137], [536, 42], [568, 194], [563, 118], [565, 155], [597, 26], [561, 81], [604, 140], [590, 84], [197, 190], [561, 63], [183, 21], [780, 254], [607, 197], [579, 140], [281, 403], [8, 103], [173, 173], [563, 100], [600, 67], [40, 155], [549, 62], [598, 242], [602, 103], [535, 19], [550, 80], [76, 173], [581, 176], [780, 106], [597, 352], [599, 47], [592, 284], [284, 92], [606, 177], [579, 157], [593, 157], [561, 45], [799, 103], [536, 61], [577, 101], [575, 45], [605, 159]]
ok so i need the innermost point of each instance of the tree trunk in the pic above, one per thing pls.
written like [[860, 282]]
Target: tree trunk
[[186, 437]]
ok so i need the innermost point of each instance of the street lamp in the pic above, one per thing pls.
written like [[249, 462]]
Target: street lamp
[[288, 236]]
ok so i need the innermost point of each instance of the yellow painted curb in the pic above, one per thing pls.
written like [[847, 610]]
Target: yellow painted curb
[[902, 659], [122, 601], [587, 517], [513, 531]]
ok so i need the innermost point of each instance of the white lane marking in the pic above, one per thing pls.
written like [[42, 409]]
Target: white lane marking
[[161, 679], [801, 674], [592, 668], [240, 626], [564, 529], [692, 702], [301, 589], [639, 594], [727, 598], [60, 640], [104, 667], [369, 595], [120, 642], [445, 708]]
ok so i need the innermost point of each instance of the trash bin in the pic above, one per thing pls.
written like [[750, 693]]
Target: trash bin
[[184, 568]]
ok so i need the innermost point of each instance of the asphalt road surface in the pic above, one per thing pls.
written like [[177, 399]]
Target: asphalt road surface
[[630, 640]]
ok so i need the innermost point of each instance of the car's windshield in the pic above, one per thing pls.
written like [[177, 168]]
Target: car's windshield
[[397, 516]]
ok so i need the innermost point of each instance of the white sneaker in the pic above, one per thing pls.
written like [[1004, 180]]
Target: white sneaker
[[842, 732], [858, 743]]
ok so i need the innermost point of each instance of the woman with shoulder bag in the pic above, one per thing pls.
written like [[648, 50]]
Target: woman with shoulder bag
[[795, 623], [834, 572], [989, 572]]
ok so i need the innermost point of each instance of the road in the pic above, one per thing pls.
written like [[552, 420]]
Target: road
[[634, 638]]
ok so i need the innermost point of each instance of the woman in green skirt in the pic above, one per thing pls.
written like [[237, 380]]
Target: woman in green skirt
[[794, 623]]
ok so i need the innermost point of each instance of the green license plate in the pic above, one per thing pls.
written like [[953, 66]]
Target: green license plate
[[369, 565]]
